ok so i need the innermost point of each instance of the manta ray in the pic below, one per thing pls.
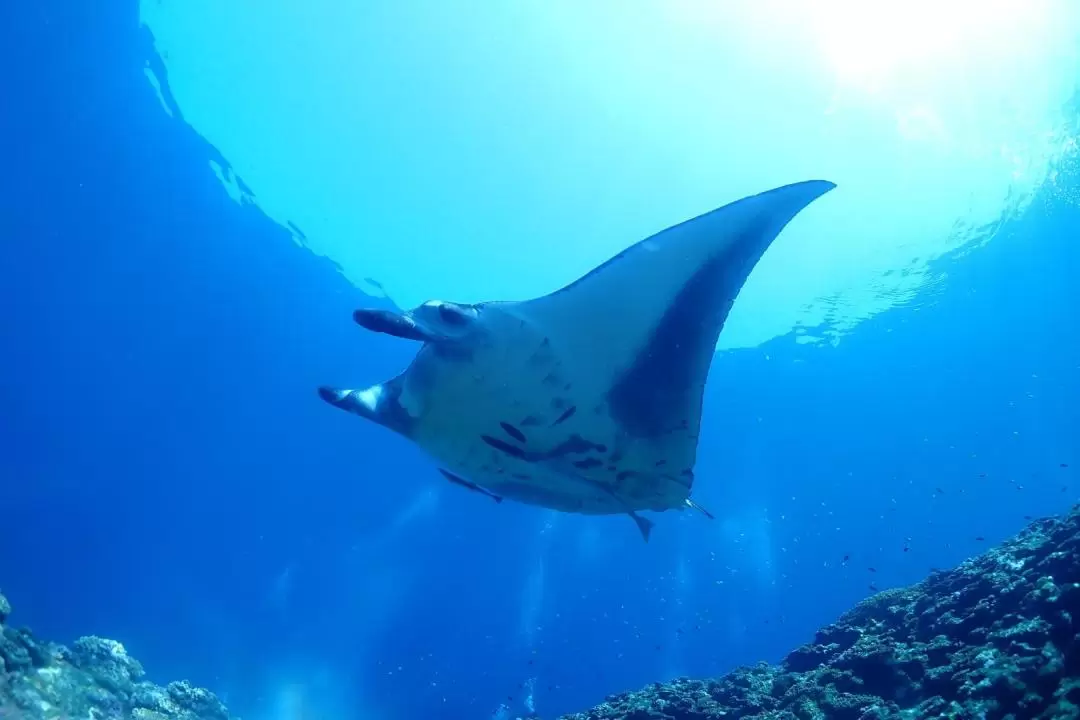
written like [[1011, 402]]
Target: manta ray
[[588, 399]]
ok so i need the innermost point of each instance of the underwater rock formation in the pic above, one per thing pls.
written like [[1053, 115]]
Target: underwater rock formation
[[995, 638], [94, 678]]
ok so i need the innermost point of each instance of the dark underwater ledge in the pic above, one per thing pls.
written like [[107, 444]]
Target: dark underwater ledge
[[995, 638], [998, 637]]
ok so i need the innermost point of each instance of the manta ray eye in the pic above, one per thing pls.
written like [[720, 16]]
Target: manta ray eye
[[453, 315]]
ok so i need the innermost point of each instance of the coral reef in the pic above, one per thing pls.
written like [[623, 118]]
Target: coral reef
[[94, 679], [996, 638]]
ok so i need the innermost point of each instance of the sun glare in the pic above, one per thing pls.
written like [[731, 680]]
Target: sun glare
[[874, 43]]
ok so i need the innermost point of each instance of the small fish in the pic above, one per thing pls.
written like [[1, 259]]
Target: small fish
[[980, 538], [470, 485], [870, 569], [873, 587], [567, 413]]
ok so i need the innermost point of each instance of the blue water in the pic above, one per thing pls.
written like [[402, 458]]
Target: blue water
[[169, 477]]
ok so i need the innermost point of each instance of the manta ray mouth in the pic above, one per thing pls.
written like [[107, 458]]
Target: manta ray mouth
[[392, 323]]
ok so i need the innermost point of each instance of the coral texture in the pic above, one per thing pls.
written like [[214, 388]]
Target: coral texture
[[995, 638], [94, 679]]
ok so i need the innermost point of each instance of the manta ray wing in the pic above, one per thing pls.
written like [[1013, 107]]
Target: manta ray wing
[[641, 329]]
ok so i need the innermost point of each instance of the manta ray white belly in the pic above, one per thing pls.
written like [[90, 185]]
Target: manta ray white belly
[[519, 418]]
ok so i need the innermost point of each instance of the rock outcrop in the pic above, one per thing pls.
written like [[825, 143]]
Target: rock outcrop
[[93, 679], [996, 638]]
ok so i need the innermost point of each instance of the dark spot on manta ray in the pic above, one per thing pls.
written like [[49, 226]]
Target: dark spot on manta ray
[[687, 473], [658, 463], [587, 463], [574, 444], [513, 432], [567, 414], [504, 446], [626, 474], [521, 476]]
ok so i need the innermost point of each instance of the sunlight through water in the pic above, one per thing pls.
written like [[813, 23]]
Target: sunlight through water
[[499, 150]]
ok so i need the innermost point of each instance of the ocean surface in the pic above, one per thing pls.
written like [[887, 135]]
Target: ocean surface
[[196, 196]]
